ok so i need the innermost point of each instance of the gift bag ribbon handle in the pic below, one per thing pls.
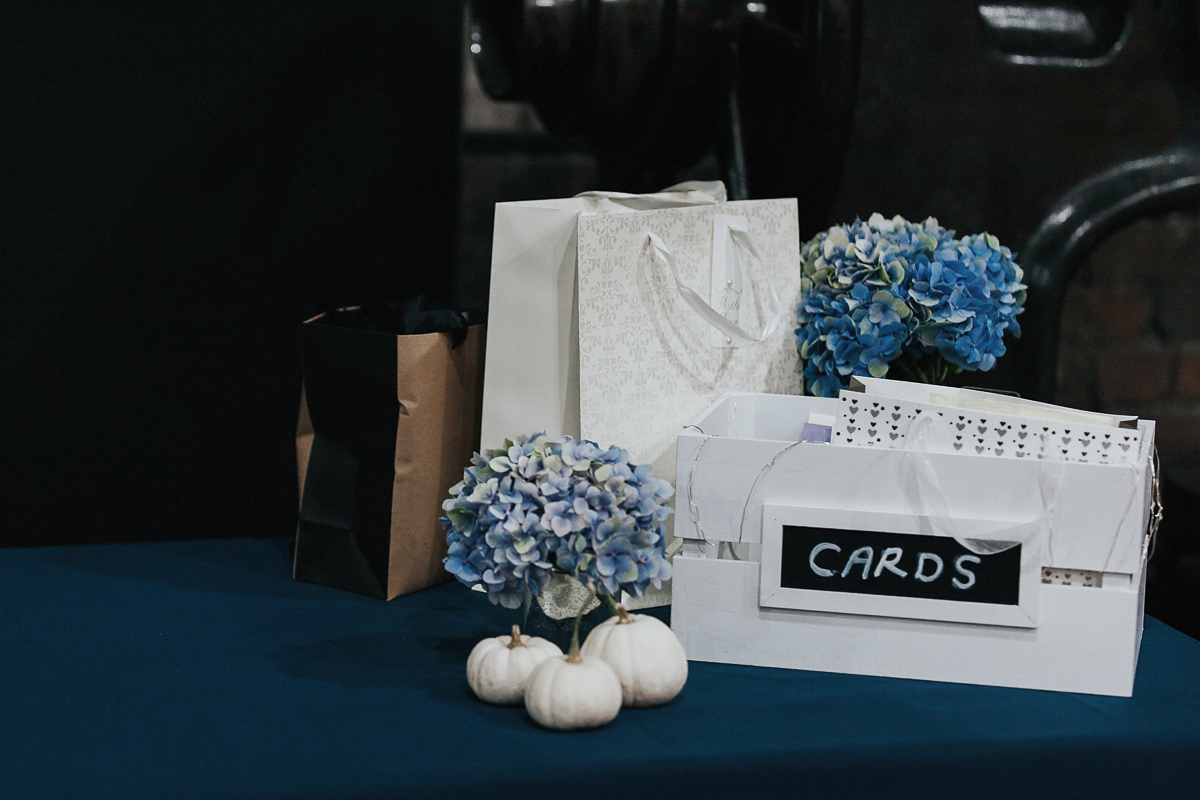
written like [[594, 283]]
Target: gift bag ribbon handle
[[709, 314], [688, 193]]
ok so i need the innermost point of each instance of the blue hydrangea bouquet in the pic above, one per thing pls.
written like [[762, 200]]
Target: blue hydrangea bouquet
[[896, 296], [539, 506]]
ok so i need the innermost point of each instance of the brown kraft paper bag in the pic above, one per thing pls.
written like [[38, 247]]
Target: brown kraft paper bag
[[387, 423]]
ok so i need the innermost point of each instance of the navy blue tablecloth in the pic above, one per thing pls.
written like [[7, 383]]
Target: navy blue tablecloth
[[201, 670]]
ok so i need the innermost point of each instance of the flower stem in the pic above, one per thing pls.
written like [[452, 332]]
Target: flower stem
[[573, 656], [933, 369]]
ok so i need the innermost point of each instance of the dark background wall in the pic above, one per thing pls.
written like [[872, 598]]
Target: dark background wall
[[181, 184]]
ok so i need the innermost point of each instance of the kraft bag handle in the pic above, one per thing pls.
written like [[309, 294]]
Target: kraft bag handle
[[709, 314]]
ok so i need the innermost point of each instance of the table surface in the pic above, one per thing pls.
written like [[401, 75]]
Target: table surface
[[200, 669]]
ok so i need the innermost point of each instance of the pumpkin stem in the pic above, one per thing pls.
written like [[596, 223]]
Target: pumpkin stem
[[516, 638], [573, 656], [623, 616]]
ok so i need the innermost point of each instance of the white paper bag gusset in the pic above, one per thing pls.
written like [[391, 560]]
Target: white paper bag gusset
[[618, 318]]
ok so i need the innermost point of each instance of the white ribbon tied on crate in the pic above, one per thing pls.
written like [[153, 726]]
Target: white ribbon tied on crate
[[926, 498]]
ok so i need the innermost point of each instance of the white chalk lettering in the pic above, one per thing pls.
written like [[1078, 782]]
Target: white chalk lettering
[[812, 558], [862, 555], [919, 573], [888, 560], [966, 573]]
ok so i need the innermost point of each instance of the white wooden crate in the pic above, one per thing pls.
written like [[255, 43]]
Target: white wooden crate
[[1075, 627]]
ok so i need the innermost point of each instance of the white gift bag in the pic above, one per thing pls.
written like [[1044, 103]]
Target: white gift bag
[[619, 318]]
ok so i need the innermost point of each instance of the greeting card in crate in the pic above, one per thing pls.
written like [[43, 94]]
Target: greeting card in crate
[[861, 534]]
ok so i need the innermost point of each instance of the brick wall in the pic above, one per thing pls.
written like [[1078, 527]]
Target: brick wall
[[1131, 334]]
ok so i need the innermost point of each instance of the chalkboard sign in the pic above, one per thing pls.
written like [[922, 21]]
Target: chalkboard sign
[[894, 564], [897, 564]]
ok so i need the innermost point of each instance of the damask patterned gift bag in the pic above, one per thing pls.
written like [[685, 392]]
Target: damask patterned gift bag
[[619, 318]]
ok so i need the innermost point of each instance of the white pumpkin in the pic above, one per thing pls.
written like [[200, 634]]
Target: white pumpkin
[[645, 654], [573, 692], [499, 667]]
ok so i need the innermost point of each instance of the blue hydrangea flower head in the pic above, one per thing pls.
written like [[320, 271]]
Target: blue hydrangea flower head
[[540, 505], [965, 298], [877, 291], [854, 318]]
